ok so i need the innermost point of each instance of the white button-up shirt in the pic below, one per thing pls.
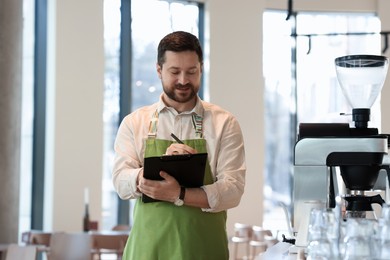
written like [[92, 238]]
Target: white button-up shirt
[[225, 148]]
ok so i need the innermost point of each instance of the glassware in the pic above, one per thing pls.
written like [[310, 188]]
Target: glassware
[[385, 215], [382, 236], [358, 242], [322, 235], [303, 230], [332, 224]]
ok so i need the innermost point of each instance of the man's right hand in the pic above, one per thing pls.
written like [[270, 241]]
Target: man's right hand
[[180, 149]]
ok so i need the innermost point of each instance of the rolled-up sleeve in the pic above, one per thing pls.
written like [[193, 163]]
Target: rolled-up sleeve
[[126, 164], [227, 164]]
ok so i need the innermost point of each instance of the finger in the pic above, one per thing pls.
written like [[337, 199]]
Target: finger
[[190, 150], [165, 175], [173, 150]]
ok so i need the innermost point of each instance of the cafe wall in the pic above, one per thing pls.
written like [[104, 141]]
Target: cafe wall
[[75, 112]]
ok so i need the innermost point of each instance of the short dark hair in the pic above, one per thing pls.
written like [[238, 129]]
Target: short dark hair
[[179, 41]]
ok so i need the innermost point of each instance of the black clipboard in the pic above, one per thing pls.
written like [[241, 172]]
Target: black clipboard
[[187, 169]]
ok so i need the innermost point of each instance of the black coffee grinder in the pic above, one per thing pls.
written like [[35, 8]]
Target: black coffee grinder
[[336, 159]]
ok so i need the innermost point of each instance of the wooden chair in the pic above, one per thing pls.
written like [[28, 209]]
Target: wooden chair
[[40, 239], [70, 246], [19, 252], [112, 243]]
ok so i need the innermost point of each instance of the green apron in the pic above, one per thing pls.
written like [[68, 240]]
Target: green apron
[[163, 231]]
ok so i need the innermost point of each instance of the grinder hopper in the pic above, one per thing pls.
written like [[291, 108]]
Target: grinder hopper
[[361, 78]]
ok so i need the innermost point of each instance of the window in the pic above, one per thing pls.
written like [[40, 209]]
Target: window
[[145, 86], [167, 16], [301, 86]]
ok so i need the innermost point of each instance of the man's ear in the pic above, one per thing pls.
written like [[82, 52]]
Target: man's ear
[[158, 68]]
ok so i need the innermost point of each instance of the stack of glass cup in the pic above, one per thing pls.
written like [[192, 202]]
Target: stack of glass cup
[[334, 238], [382, 236], [323, 235]]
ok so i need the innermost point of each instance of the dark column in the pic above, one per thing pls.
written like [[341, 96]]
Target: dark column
[[11, 26]]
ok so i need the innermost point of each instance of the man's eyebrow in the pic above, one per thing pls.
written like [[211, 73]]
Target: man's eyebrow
[[178, 68]]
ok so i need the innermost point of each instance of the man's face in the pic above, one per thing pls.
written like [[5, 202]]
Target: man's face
[[180, 75]]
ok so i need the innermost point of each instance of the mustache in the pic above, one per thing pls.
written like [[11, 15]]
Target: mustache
[[179, 86]]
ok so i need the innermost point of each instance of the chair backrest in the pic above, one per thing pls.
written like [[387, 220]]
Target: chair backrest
[[121, 228], [70, 246], [19, 252], [36, 237], [40, 238], [112, 240]]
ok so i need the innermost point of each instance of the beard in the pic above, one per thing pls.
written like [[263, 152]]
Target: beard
[[178, 96]]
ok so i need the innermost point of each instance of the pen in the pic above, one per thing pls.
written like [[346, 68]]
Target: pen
[[177, 139]]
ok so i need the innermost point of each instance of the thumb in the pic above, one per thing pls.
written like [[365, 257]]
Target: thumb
[[165, 175]]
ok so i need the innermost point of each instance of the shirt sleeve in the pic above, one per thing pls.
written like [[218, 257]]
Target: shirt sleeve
[[127, 164], [228, 166]]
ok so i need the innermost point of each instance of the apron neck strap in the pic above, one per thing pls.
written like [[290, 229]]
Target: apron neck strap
[[197, 122], [153, 125]]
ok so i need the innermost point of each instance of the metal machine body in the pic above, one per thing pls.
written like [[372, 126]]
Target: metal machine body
[[316, 178]]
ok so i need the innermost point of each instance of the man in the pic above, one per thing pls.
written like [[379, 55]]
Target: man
[[187, 223]]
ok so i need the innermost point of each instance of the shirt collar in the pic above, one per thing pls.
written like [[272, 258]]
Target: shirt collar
[[198, 109]]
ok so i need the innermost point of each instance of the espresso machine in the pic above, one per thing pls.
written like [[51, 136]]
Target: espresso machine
[[338, 160]]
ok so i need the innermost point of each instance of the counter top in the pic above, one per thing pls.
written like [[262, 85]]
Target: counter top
[[279, 251]]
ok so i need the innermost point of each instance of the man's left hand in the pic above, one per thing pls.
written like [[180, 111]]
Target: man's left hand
[[167, 189]]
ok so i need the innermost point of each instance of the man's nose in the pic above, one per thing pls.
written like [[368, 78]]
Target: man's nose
[[183, 79]]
